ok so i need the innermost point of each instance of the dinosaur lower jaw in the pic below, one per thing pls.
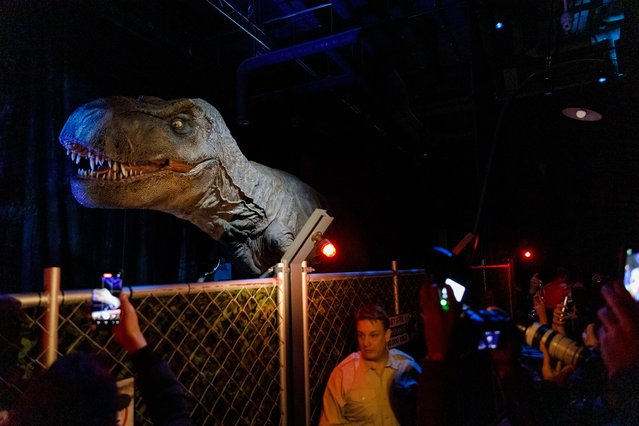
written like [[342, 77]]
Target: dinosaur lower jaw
[[103, 168]]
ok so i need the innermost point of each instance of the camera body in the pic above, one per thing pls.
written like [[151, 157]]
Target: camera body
[[105, 302], [484, 329]]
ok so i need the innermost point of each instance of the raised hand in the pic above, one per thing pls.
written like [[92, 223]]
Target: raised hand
[[619, 330], [438, 323], [127, 333]]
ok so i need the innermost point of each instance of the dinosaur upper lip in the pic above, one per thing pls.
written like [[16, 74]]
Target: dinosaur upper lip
[[104, 168]]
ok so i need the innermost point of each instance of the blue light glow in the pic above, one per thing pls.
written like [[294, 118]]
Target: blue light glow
[[444, 251]]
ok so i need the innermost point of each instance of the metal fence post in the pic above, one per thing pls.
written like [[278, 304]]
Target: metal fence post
[[50, 327], [282, 302], [298, 345], [395, 286], [295, 275]]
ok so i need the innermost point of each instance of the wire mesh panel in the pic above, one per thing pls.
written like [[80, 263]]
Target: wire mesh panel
[[332, 301], [222, 342], [224, 347], [20, 332]]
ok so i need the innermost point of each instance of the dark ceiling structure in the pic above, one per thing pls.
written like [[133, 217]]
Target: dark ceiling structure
[[430, 119]]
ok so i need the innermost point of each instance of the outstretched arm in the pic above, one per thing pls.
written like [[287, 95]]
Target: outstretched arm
[[161, 391]]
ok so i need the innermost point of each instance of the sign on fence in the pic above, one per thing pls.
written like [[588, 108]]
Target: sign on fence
[[399, 330]]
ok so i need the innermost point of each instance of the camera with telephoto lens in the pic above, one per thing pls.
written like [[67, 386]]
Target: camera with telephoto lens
[[559, 347]]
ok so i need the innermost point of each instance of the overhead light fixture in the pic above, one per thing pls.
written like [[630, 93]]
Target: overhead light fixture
[[581, 114]]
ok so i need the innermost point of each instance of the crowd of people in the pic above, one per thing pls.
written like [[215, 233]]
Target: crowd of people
[[588, 374]]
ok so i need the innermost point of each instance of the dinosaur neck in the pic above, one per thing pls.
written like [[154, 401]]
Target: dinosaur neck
[[221, 208]]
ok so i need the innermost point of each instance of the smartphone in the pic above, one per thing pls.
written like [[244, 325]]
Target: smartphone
[[458, 289], [105, 301], [443, 299], [631, 272]]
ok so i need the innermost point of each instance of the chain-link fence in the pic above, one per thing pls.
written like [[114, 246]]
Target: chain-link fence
[[223, 340]]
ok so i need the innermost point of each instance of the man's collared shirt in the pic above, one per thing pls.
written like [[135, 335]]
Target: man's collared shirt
[[357, 395]]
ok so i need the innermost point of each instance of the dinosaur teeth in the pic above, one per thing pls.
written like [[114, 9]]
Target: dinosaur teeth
[[103, 168]]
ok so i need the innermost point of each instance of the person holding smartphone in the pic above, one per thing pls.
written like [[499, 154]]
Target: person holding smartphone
[[163, 394], [79, 390], [493, 386]]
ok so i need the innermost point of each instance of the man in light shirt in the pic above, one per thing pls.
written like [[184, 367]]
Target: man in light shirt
[[375, 385]]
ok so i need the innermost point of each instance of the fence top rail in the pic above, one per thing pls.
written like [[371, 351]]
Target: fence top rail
[[341, 275], [41, 299]]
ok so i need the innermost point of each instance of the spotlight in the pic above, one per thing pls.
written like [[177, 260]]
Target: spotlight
[[323, 245], [581, 114]]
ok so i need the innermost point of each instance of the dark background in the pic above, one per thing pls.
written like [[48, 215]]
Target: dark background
[[429, 125]]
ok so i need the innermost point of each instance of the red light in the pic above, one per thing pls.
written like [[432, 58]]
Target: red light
[[527, 254], [327, 248]]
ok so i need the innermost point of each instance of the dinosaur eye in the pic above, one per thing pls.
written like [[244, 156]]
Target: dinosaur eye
[[179, 124]]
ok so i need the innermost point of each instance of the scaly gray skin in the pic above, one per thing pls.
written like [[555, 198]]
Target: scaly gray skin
[[179, 157]]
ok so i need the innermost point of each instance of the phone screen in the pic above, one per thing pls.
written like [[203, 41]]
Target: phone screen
[[631, 273], [105, 302], [458, 289]]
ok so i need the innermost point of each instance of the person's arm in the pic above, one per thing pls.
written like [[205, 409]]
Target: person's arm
[[438, 381], [558, 374], [619, 345], [161, 391], [332, 401]]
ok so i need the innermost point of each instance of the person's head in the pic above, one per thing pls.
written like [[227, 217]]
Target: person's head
[[561, 274], [373, 332], [76, 390]]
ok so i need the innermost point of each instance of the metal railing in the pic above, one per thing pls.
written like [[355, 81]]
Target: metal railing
[[225, 340]]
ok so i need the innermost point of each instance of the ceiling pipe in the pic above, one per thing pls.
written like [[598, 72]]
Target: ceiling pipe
[[323, 44]]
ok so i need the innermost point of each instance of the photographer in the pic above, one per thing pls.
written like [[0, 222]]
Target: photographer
[[463, 385]]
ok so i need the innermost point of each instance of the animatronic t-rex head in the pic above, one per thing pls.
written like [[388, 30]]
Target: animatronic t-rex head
[[179, 157]]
